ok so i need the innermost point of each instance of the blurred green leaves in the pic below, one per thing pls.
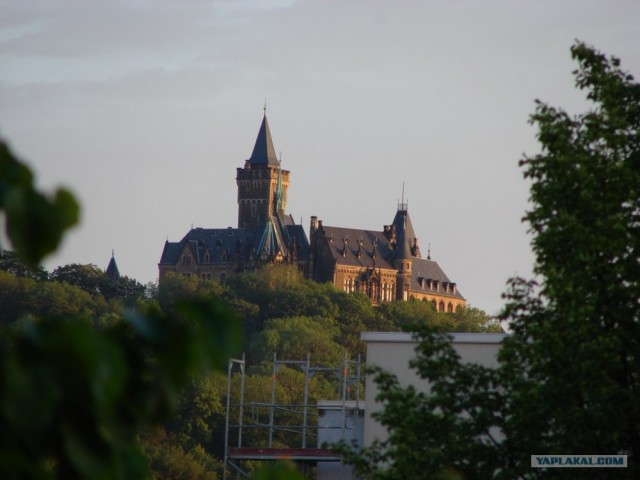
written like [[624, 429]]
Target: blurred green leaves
[[34, 223], [73, 399]]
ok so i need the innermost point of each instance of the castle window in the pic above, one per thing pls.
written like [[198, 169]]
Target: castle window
[[435, 305], [441, 306], [186, 259], [223, 277], [348, 285], [254, 210], [450, 307]]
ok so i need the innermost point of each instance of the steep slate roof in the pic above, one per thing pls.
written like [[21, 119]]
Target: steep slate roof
[[226, 245], [402, 221], [298, 239], [263, 151], [112, 269], [231, 242], [271, 241], [384, 252], [422, 268]]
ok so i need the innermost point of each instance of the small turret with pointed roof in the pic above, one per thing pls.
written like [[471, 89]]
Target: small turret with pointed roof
[[112, 269]]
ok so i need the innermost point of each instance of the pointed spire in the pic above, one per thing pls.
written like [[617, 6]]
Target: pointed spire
[[112, 269], [263, 151]]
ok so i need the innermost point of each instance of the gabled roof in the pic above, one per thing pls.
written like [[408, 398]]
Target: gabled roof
[[271, 241], [219, 245], [423, 270], [263, 151], [226, 245], [354, 247]]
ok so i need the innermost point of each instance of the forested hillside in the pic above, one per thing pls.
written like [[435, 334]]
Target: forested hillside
[[281, 313]]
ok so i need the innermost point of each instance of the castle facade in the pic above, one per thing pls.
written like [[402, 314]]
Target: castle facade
[[384, 265]]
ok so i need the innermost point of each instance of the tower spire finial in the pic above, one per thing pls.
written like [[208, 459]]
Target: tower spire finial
[[264, 108], [402, 205]]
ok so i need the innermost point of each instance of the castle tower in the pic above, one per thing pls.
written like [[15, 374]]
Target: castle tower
[[402, 259], [262, 184]]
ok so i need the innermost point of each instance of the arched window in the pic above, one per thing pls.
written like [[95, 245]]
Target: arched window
[[441, 306], [223, 276], [450, 308], [435, 305]]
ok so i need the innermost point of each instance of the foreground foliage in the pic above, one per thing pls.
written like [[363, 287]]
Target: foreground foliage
[[74, 398], [103, 378], [568, 380]]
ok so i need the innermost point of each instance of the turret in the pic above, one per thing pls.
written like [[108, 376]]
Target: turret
[[402, 259]]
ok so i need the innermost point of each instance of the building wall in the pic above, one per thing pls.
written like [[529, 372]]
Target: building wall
[[393, 350], [338, 420], [441, 303]]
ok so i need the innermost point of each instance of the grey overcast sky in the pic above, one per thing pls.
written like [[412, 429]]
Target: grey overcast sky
[[146, 108]]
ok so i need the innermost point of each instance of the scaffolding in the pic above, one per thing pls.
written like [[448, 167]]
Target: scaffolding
[[303, 432]]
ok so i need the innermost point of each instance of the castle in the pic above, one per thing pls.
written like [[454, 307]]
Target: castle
[[385, 265]]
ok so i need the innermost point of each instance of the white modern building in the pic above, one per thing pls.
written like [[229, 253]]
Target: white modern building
[[393, 350]]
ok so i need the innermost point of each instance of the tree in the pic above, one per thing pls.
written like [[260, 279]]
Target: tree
[[72, 398], [89, 277], [9, 262], [568, 379], [292, 338]]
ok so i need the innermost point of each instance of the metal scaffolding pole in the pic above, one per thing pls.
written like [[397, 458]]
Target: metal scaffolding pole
[[296, 417], [232, 362], [306, 401]]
